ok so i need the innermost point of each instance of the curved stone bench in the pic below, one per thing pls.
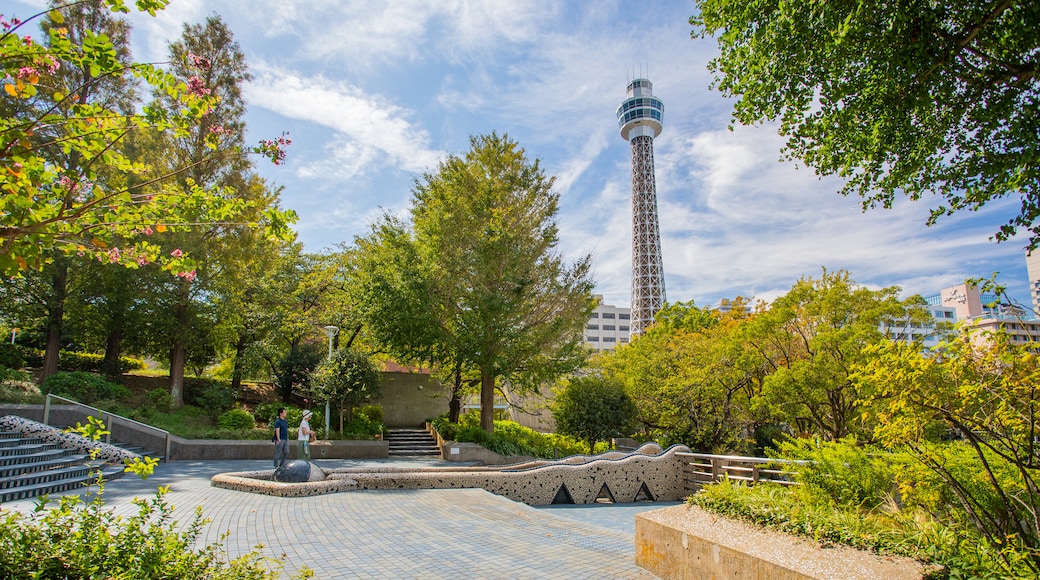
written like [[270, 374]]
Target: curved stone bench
[[621, 477]]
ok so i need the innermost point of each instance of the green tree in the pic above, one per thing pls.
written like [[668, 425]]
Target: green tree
[[208, 154], [87, 205], [920, 97], [593, 408], [492, 286], [814, 336], [349, 379], [984, 390], [691, 376]]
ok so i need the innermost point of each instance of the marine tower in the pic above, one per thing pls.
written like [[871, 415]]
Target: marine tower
[[640, 119]]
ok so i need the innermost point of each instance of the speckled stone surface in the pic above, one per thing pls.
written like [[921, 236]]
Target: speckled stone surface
[[685, 541], [48, 434], [297, 471], [618, 477]]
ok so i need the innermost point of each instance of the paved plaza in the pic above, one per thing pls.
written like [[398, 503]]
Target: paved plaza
[[467, 533]]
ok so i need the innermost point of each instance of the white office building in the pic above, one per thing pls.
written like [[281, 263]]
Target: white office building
[[609, 326]]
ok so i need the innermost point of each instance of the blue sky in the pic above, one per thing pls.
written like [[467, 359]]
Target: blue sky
[[375, 93]]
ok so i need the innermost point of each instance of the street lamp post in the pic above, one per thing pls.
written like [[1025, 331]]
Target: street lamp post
[[331, 332]]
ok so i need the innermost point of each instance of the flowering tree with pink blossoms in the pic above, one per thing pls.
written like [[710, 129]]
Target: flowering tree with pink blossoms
[[105, 205]]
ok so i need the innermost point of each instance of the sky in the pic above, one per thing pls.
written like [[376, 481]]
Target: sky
[[375, 94]]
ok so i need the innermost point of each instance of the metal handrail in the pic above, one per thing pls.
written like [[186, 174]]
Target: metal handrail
[[109, 422]]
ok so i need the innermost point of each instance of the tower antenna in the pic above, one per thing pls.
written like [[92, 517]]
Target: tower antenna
[[640, 118]]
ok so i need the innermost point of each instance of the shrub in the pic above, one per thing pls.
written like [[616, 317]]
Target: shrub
[[841, 472], [216, 398], [237, 419], [161, 399], [362, 425], [11, 356], [83, 387], [373, 413], [268, 412]]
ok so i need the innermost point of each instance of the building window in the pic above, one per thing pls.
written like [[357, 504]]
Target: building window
[[608, 339], [609, 315], [623, 316], [623, 339], [623, 328], [595, 315], [608, 327], [592, 338], [592, 326]]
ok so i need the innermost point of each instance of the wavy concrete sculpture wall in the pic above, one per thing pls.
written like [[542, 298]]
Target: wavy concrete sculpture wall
[[615, 476]]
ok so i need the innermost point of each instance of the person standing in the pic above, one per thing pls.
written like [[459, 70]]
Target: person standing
[[281, 439], [303, 438]]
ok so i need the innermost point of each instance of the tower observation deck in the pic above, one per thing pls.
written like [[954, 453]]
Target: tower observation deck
[[639, 117]]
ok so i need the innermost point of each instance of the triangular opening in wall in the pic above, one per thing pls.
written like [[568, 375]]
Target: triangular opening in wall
[[563, 496], [643, 494], [604, 495]]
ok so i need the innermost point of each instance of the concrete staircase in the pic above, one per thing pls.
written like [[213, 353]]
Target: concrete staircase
[[411, 443], [29, 468]]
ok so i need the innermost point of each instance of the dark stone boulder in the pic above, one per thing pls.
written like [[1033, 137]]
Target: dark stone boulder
[[298, 472]]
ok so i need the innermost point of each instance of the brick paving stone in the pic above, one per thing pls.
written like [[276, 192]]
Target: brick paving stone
[[465, 533]]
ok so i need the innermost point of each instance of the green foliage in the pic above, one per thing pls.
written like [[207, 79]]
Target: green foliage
[[593, 408], [840, 472], [348, 379], [373, 413], [11, 356], [83, 387], [85, 540], [160, 399], [923, 98], [986, 393], [17, 387], [237, 419], [216, 398], [509, 438], [268, 411], [363, 425], [296, 367], [478, 282], [90, 362]]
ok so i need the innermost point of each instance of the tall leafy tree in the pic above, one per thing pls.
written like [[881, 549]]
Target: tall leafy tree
[[814, 337], [593, 408], [209, 154], [925, 98], [491, 285]]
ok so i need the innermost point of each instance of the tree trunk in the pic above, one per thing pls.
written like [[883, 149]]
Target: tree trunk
[[55, 314], [236, 374], [178, 352], [455, 405], [487, 401], [116, 321]]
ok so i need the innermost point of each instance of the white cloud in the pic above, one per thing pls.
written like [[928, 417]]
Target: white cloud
[[370, 120]]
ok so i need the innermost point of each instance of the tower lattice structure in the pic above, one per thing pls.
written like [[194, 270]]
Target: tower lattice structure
[[639, 117]]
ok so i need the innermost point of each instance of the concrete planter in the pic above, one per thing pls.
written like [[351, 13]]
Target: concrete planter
[[686, 542]]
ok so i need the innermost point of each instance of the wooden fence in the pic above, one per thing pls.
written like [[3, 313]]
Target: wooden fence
[[702, 468]]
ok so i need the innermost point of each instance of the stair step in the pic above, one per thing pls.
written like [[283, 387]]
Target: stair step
[[34, 457], [26, 449], [8, 442], [13, 470], [72, 483], [44, 476]]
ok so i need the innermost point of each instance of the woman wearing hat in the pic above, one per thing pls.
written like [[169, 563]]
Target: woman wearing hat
[[303, 438]]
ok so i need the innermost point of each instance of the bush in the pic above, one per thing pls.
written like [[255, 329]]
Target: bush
[[373, 413], [268, 412], [90, 362], [83, 387], [84, 540], [237, 419], [841, 472], [161, 399], [216, 398], [11, 356]]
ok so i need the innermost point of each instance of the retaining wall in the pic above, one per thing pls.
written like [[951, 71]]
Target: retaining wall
[[685, 542]]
